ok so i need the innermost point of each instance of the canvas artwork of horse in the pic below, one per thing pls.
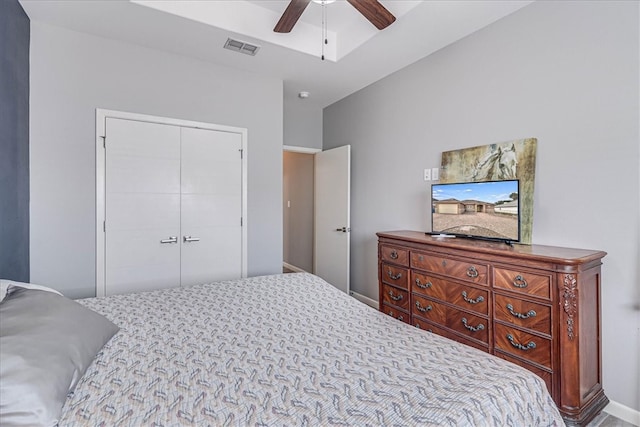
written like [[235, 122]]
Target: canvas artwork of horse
[[496, 162]]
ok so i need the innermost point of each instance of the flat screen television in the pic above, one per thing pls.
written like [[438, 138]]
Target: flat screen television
[[487, 210]]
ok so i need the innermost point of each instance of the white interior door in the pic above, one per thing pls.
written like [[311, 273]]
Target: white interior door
[[332, 216], [142, 206], [211, 206]]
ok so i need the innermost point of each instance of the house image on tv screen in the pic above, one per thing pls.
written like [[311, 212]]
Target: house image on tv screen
[[493, 213], [456, 207], [510, 208]]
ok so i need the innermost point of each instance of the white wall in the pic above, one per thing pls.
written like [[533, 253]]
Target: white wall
[[72, 74], [565, 72]]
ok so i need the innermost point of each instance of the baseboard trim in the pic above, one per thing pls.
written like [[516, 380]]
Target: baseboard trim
[[623, 412], [370, 302], [293, 267]]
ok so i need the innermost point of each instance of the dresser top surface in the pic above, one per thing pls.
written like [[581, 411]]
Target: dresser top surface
[[556, 254]]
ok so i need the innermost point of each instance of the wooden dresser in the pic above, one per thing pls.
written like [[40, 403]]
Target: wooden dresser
[[537, 306]]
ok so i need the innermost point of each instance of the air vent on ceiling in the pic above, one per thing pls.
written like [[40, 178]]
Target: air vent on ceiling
[[242, 47]]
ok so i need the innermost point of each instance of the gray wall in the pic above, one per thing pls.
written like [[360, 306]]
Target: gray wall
[[297, 185], [563, 72], [302, 122], [72, 74], [14, 141]]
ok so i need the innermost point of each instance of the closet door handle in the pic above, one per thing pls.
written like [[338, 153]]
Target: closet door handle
[[187, 239], [172, 239]]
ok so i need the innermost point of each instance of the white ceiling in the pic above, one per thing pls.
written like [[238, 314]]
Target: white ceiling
[[357, 54]]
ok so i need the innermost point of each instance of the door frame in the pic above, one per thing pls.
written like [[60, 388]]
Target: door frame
[[101, 119], [300, 150]]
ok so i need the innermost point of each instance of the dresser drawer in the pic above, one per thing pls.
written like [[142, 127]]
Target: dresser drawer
[[396, 297], [393, 275], [394, 255], [395, 313], [527, 283], [464, 270], [545, 375], [428, 309], [523, 345], [426, 285], [463, 296], [430, 327], [467, 324], [468, 298], [523, 313]]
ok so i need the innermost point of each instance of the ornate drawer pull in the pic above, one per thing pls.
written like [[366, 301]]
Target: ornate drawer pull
[[393, 254], [425, 286], [428, 330], [396, 277], [423, 309], [390, 313], [472, 272], [472, 328], [519, 282], [472, 301], [530, 346], [395, 297], [530, 313]]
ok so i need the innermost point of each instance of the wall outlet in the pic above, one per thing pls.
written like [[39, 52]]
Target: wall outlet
[[435, 174], [427, 174]]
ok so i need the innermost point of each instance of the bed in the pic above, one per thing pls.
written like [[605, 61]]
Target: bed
[[288, 350]]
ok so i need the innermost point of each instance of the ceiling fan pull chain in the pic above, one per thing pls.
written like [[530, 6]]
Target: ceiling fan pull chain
[[324, 27]]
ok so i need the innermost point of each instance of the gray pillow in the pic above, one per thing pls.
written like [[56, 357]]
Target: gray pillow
[[47, 342]]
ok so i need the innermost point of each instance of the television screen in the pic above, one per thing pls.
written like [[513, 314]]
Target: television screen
[[488, 210]]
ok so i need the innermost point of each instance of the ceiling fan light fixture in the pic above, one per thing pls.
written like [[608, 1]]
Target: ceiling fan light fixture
[[323, 2]]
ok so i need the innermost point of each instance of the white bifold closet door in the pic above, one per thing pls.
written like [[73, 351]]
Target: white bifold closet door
[[173, 206]]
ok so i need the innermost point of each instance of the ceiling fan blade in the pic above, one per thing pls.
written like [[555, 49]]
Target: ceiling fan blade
[[291, 15], [375, 12]]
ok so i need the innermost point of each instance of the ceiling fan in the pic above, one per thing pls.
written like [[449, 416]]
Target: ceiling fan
[[375, 12]]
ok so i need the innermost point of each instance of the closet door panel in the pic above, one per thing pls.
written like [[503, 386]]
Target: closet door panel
[[211, 162], [211, 204], [142, 189], [144, 212], [129, 174], [135, 268]]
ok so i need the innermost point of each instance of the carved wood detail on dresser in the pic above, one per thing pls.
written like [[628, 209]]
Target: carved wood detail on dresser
[[536, 306]]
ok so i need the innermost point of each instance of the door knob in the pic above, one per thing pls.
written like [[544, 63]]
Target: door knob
[[190, 239], [172, 239], [343, 229]]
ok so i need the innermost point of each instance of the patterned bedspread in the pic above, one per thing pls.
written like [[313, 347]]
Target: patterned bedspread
[[290, 350]]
